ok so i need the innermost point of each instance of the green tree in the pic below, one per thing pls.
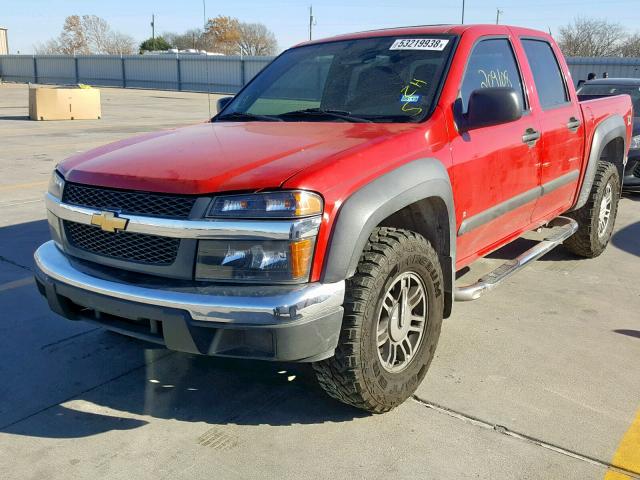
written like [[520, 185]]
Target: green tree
[[150, 44]]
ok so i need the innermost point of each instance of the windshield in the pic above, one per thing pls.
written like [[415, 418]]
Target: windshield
[[601, 90], [384, 79]]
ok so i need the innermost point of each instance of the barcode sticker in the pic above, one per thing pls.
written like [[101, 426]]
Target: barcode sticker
[[435, 44]]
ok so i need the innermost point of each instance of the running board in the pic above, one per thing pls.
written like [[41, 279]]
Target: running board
[[565, 228]]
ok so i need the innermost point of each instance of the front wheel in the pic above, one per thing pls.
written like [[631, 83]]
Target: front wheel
[[597, 217], [393, 314]]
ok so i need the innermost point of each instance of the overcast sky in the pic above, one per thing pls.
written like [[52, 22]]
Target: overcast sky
[[35, 21]]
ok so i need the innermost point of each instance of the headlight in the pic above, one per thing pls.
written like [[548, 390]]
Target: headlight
[[280, 261], [635, 143], [56, 185], [267, 205]]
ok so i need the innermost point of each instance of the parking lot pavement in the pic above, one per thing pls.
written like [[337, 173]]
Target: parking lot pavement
[[538, 379]]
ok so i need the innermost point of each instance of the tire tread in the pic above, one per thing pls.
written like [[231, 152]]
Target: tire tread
[[341, 376]]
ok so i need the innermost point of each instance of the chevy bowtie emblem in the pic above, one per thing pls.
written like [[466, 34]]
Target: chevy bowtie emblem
[[109, 221]]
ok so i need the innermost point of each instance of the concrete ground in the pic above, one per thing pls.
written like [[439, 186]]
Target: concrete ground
[[538, 379]]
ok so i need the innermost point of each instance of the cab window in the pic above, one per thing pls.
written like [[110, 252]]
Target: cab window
[[546, 73], [492, 64]]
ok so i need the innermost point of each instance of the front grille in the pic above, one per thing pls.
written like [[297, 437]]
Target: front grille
[[136, 203], [135, 247], [636, 171]]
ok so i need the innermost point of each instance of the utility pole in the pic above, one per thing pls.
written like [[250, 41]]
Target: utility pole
[[153, 29], [311, 21], [498, 13], [462, 12]]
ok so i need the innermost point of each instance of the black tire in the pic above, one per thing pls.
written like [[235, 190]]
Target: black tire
[[588, 242], [356, 375]]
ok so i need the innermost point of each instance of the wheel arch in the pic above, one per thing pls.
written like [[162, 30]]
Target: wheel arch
[[609, 144], [416, 196]]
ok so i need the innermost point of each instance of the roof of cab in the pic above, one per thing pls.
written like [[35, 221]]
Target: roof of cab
[[488, 29]]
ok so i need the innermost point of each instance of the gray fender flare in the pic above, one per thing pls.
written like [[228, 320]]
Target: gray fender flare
[[609, 129], [377, 200]]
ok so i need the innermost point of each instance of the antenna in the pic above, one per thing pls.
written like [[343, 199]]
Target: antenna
[[206, 58]]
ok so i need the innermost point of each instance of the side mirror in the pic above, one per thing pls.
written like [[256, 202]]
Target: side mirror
[[492, 106], [223, 102]]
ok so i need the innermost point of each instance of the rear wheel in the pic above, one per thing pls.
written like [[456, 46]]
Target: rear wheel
[[596, 219], [393, 314]]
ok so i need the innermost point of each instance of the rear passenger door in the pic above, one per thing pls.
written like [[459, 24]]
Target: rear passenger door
[[561, 129], [494, 170]]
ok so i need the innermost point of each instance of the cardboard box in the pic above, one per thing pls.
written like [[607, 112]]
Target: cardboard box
[[64, 103]]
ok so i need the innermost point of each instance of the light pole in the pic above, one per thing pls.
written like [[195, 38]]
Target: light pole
[[311, 20], [462, 12], [498, 13]]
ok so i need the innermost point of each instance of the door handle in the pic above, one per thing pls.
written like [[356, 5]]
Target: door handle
[[573, 124], [530, 137]]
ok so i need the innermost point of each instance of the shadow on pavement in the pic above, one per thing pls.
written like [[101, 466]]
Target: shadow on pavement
[[628, 239], [64, 379], [189, 388], [18, 242], [629, 333], [14, 117]]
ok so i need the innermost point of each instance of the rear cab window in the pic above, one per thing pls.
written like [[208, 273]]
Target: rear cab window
[[547, 76], [492, 64]]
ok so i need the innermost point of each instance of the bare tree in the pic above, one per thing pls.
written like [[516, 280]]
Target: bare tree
[[592, 37], [120, 44], [183, 41], [73, 40], [88, 34], [49, 47], [631, 46], [256, 39]]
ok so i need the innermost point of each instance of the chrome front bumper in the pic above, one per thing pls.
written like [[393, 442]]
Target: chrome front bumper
[[293, 314], [240, 304]]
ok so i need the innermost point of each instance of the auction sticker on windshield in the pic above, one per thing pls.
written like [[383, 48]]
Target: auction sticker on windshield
[[437, 44]]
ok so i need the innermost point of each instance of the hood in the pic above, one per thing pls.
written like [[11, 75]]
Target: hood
[[223, 156]]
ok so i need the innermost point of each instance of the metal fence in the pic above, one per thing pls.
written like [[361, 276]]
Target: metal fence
[[616, 67], [221, 74], [197, 73]]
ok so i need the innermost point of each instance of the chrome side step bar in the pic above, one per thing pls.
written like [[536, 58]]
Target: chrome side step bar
[[565, 228]]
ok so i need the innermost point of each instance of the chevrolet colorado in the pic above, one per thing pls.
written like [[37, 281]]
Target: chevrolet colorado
[[322, 214]]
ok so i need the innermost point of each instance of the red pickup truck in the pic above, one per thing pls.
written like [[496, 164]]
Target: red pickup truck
[[322, 214]]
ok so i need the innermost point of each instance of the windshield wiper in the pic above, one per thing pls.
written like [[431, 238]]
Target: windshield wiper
[[248, 117], [319, 112]]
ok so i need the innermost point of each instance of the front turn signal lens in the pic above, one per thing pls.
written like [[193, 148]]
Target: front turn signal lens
[[307, 203], [301, 255]]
